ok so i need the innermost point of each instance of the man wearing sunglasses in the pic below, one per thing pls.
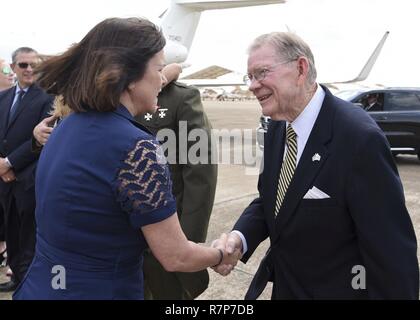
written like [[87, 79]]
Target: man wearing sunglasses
[[22, 107], [7, 76]]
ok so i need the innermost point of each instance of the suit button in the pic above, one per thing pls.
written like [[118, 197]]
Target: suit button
[[4, 141]]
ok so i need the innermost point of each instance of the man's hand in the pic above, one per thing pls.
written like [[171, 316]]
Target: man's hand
[[171, 73], [9, 176], [4, 166], [231, 244], [42, 131]]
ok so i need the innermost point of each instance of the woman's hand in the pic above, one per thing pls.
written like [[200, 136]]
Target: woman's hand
[[42, 131]]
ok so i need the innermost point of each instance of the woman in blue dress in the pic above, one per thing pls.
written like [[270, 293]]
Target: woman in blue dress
[[103, 190]]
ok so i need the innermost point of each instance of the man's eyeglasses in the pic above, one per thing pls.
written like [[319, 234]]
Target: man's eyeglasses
[[6, 70], [260, 74], [25, 65]]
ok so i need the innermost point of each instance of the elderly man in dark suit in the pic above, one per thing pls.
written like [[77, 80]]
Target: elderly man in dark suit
[[194, 184], [330, 197], [22, 107]]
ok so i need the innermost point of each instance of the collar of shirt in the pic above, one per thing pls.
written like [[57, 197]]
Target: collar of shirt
[[304, 123], [17, 90]]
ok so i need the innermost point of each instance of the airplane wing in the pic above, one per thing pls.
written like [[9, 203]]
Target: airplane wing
[[367, 68], [211, 82], [364, 73], [212, 72], [210, 77]]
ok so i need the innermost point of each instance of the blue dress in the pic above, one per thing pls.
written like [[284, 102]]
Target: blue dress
[[100, 178]]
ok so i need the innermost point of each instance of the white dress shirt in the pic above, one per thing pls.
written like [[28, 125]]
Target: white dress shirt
[[302, 126], [304, 123], [17, 91]]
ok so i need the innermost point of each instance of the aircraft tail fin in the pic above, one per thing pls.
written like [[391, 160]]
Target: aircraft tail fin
[[180, 22]]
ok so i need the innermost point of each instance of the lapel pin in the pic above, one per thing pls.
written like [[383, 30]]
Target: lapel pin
[[316, 157], [148, 116]]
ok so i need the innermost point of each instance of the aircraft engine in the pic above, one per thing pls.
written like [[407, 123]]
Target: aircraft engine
[[175, 52]]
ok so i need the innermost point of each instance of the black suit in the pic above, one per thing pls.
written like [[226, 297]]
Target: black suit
[[18, 197], [374, 107], [316, 243]]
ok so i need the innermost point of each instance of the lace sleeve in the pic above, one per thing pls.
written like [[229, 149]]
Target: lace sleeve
[[144, 188]]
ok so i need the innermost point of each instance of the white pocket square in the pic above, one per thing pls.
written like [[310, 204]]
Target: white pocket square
[[315, 193]]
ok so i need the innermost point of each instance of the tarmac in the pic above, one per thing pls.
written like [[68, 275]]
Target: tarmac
[[236, 188]]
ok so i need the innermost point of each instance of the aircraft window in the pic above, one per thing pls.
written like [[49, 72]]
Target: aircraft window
[[403, 101]]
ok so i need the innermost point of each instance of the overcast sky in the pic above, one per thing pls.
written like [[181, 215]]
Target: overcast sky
[[341, 33]]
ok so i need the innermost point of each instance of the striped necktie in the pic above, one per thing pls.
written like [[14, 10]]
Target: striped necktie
[[15, 106], [288, 167]]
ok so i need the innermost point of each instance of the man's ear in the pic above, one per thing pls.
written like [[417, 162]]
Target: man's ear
[[303, 66]]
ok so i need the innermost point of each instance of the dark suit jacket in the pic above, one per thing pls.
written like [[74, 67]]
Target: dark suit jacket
[[15, 138], [315, 244], [194, 185], [375, 107]]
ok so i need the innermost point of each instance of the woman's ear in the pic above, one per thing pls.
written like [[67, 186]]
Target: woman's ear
[[131, 86]]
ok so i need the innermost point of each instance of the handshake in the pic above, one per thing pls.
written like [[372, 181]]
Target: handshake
[[231, 245]]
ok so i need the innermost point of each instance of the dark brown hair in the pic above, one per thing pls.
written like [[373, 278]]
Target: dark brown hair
[[93, 73]]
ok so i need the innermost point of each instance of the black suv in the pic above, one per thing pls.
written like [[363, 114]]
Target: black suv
[[395, 110]]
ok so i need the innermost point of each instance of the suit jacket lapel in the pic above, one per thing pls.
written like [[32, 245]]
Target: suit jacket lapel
[[28, 97], [308, 168]]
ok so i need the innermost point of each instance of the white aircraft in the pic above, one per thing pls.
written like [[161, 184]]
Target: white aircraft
[[195, 80], [180, 22]]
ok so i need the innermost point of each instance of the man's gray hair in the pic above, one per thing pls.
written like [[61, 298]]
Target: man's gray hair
[[22, 50], [289, 46]]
